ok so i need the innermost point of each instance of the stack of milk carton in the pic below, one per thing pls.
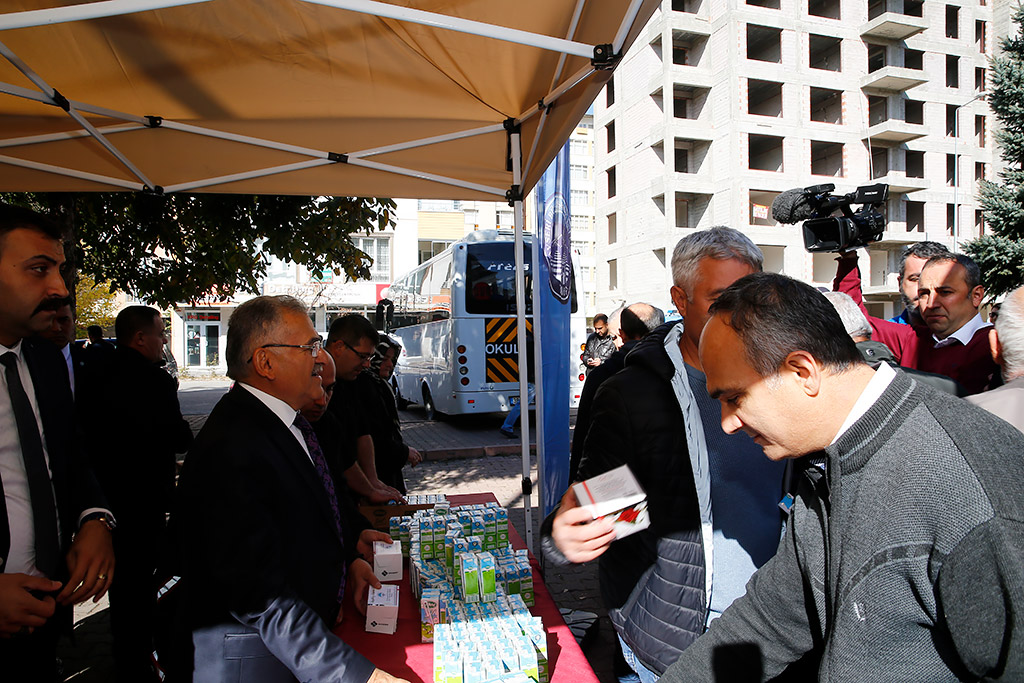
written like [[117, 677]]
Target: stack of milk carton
[[506, 647]]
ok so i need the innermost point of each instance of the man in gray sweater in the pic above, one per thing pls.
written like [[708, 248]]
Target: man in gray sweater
[[903, 559]]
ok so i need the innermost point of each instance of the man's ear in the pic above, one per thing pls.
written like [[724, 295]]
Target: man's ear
[[263, 364], [977, 294], [679, 299], [995, 346], [802, 368]]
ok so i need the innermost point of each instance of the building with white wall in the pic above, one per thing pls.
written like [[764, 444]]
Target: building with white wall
[[721, 105]]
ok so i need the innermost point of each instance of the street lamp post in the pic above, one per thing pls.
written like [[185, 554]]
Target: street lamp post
[[956, 168]]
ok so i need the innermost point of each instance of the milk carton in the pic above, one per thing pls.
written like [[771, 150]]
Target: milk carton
[[387, 560], [382, 609], [615, 495]]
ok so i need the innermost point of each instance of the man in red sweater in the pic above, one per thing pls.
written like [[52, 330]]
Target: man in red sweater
[[954, 341]]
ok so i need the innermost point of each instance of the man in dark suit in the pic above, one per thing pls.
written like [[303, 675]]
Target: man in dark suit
[[138, 419], [55, 545], [269, 541]]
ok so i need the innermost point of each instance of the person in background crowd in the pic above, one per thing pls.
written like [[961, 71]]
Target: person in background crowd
[[351, 342], [337, 445], [390, 450], [873, 353], [61, 333], [631, 324], [599, 344], [993, 314], [137, 429], [508, 427], [912, 260], [270, 539], [902, 556], [55, 525], [712, 497], [1007, 401], [954, 341]]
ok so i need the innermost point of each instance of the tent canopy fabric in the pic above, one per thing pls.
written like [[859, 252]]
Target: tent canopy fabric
[[296, 96]]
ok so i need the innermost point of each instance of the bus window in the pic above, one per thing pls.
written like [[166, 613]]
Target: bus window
[[491, 278]]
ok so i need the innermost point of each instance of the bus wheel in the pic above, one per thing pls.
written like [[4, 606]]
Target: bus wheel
[[428, 404]]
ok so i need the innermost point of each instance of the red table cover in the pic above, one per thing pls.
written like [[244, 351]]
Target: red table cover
[[403, 655]]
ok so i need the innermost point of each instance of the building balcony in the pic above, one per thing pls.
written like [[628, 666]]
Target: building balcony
[[691, 129], [893, 79], [692, 184], [898, 237], [895, 131], [687, 26], [899, 183], [693, 76], [893, 26]]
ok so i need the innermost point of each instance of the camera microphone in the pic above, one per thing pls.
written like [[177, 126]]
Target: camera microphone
[[793, 206]]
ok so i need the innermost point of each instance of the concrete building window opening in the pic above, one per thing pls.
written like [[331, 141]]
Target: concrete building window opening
[[827, 9]]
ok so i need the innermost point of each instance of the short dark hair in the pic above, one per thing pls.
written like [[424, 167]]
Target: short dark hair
[[13, 217], [352, 328], [131, 320], [972, 273], [600, 318], [94, 331], [775, 315], [925, 250], [251, 324]]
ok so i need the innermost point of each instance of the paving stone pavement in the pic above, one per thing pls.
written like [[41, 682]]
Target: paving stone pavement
[[467, 456]]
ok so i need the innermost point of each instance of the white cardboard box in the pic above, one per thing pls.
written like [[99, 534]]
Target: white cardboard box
[[615, 495], [382, 609], [387, 560]]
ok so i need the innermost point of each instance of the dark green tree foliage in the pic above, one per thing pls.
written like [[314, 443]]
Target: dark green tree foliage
[[187, 248], [1001, 254]]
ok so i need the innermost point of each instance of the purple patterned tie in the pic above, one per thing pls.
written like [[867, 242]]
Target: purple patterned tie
[[320, 462]]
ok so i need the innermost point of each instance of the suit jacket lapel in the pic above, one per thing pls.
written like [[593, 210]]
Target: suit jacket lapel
[[286, 444]]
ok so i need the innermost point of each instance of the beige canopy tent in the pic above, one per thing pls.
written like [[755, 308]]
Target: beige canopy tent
[[467, 99]]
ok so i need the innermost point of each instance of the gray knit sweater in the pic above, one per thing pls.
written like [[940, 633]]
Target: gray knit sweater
[[903, 559]]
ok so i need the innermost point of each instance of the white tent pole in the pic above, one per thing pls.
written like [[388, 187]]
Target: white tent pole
[[552, 97], [478, 28], [71, 173], [627, 22], [573, 24], [247, 175], [472, 132], [454, 182], [538, 368], [56, 98], [68, 135], [245, 139], [29, 94], [524, 393], [92, 10]]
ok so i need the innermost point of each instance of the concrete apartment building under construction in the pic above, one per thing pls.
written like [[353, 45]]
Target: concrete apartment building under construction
[[722, 104]]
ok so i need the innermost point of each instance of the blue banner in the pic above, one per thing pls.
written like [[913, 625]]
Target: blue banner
[[554, 282]]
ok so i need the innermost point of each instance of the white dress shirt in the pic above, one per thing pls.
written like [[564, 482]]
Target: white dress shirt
[[964, 334], [71, 366], [283, 411], [22, 556], [884, 375]]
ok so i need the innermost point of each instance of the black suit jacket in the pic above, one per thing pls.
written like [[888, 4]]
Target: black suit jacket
[[74, 484], [258, 534]]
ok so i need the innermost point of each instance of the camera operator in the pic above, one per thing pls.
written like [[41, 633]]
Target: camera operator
[[953, 341]]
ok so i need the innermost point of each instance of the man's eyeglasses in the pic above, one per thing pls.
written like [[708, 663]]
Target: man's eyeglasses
[[362, 356], [313, 348]]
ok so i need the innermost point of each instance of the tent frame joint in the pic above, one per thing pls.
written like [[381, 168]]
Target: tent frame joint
[[527, 484], [605, 58], [60, 100], [338, 157], [514, 194], [154, 121], [155, 191]]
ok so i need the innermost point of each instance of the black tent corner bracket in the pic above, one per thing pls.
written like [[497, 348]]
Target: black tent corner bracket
[[605, 59], [514, 194]]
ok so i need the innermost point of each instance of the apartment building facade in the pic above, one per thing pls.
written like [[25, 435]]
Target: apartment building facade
[[721, 105]]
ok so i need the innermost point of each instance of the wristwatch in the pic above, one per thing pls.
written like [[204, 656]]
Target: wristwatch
[[104, 517]]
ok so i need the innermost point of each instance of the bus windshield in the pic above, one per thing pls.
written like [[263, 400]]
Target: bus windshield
[[491, 279]]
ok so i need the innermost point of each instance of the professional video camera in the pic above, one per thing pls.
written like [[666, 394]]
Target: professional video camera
[[824, 232]]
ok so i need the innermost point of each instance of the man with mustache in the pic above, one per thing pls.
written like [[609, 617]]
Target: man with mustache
[[55, 528]]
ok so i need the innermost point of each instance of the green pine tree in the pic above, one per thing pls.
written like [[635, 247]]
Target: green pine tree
[[1000, 255]]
